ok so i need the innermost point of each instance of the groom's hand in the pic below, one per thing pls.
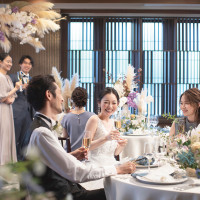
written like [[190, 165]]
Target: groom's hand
[[126, 168], [80, 153]]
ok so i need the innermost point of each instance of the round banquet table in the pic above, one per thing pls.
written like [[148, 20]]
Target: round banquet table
[[135, 145], [125, 187]]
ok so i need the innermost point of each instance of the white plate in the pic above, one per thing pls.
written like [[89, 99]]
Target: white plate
[[146, 166], [175, 181]]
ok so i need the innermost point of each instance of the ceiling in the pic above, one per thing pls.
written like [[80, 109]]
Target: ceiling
[[125, 7]]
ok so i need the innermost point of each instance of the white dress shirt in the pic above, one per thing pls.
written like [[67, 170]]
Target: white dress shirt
[[55, 157], [25, 77]]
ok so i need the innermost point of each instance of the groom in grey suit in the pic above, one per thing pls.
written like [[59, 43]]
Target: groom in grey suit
[[22, 111]]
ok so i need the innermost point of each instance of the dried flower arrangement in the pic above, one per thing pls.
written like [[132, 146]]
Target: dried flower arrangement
[[27, 22]]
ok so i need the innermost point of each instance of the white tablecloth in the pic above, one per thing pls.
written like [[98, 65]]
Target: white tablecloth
[[135, 146], [125, 187]]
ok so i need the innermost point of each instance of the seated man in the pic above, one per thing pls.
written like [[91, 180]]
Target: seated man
[[64, 171]]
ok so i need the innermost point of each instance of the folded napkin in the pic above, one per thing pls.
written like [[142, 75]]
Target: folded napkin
[[142, 160], [162, 174]]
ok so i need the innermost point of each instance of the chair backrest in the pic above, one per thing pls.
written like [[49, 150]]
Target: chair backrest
[[67, 140]]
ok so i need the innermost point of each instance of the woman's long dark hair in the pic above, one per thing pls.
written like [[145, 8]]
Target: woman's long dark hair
[[193, 97]]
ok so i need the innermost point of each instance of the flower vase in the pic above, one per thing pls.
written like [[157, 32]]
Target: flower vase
[[125, 111]]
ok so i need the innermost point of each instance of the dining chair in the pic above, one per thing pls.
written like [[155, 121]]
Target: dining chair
[[67, 140]]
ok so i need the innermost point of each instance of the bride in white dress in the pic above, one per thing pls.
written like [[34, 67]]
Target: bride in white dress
[[106, 142]]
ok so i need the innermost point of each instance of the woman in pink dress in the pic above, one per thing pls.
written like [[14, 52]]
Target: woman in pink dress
[[7, 97]]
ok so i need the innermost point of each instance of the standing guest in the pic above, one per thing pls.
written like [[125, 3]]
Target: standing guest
[[22, 111], [190, 106], [74, 122], [7, 97], [64, 171]]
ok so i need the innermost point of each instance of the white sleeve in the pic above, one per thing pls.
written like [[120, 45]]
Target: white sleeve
[[55, 157]]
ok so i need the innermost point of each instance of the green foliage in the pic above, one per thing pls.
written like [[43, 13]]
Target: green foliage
[[187, 159], [168, 116]]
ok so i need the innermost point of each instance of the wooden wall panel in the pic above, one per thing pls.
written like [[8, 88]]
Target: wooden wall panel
[[44, 60]]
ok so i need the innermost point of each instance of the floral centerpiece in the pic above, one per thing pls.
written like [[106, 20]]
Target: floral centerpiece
[[132, 123], [186, 149], [126, 87]]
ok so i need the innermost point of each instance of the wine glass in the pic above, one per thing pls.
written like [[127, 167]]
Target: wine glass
[[181, 126], [148, 153], [153, 123], [20, 79]]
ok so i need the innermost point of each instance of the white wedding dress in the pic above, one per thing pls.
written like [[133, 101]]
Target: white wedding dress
[[102, 156]]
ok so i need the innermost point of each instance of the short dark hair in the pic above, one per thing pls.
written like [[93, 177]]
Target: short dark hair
[[3, 56], [79, 97], [108, 90], [37, 88], [26, 57]]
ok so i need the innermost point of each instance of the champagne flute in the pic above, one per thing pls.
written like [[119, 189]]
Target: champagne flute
[[117, 121], [20, 79], [118, 124], [86, 142], [86, 139]]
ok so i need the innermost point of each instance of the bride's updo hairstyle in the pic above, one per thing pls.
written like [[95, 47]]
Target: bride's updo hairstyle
[[192, 95], [79, 97], [108, 90]]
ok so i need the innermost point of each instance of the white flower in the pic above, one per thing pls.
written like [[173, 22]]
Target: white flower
[[149, 99], [134, 122], [122, 101]]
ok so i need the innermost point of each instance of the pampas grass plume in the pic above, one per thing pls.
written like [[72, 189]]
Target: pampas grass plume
[[48, 14], [74, 82], [40, 6], [6, 45], [129, 77], [57, 77], [46, 25]]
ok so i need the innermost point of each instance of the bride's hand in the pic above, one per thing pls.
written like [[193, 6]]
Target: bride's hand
[[113, 135], [122, 142]]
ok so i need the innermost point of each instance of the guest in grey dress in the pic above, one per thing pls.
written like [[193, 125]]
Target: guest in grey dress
[[7, 97], [190, 106], [73, 123]]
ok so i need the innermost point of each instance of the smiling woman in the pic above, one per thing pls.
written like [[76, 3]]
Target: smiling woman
[[105, 138], [7, 97], [190, 106]]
